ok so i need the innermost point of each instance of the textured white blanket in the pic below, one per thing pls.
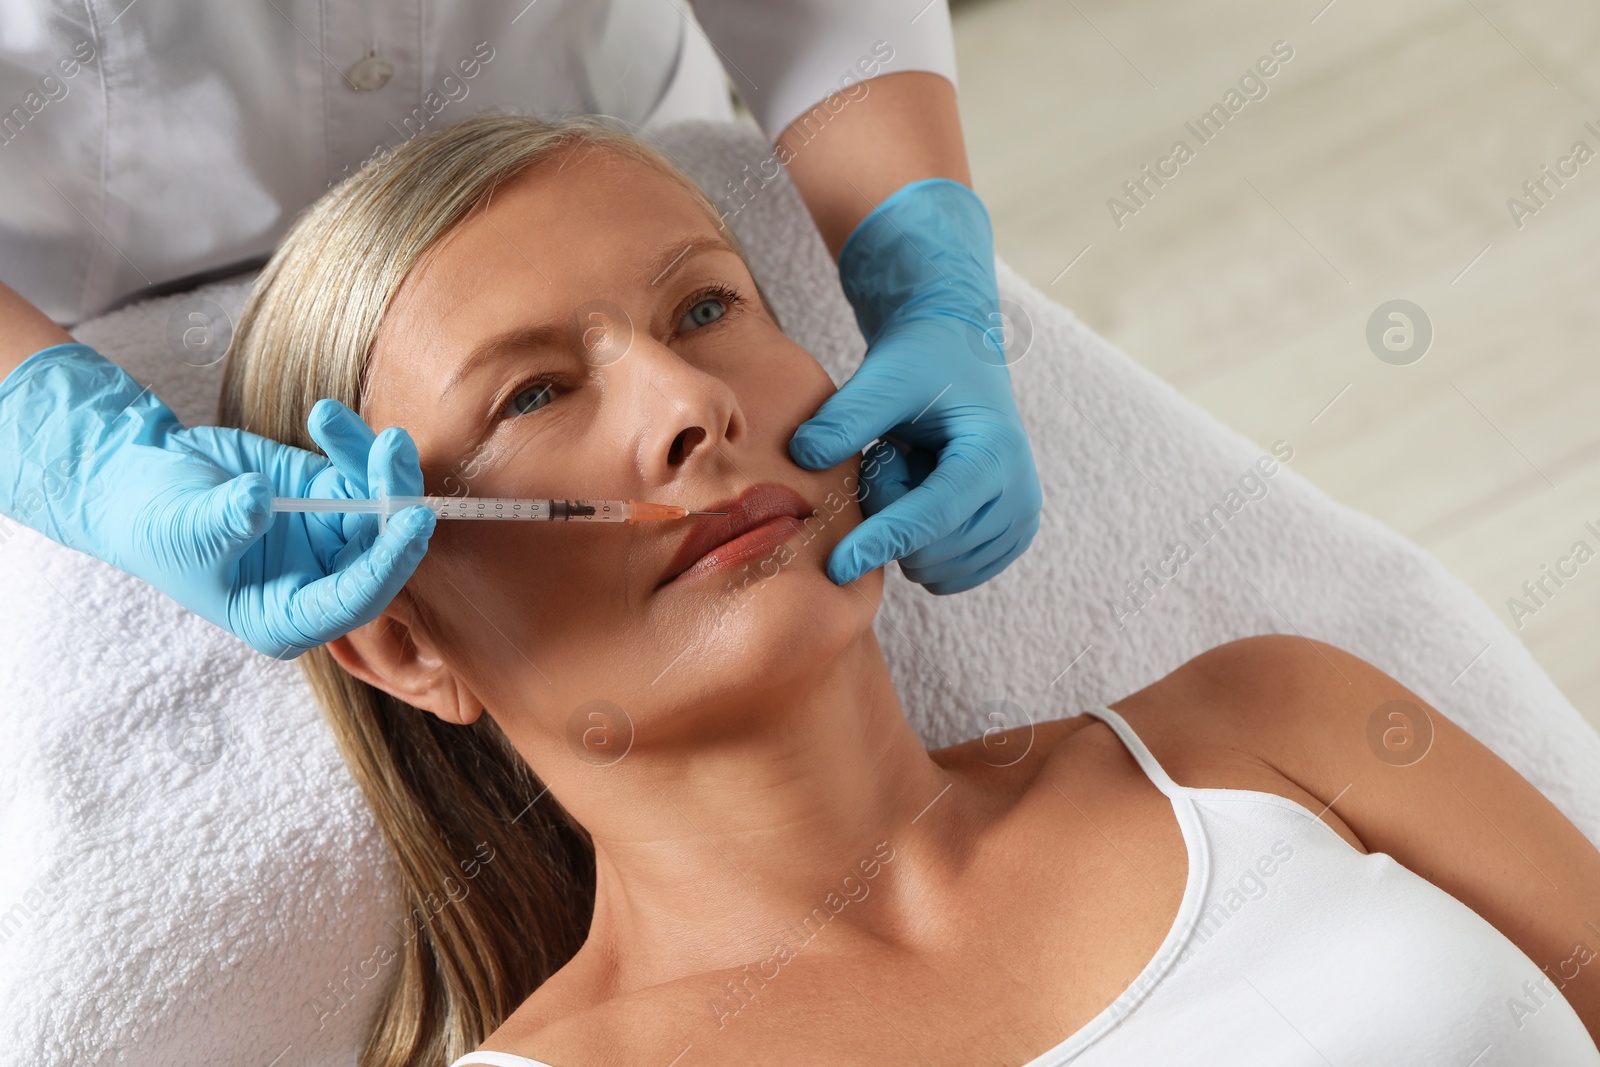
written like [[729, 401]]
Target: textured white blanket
[[189, 875]]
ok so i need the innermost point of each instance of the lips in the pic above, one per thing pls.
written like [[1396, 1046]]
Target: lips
[[756, 507]]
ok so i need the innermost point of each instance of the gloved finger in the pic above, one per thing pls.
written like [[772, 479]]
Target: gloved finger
[[364, 461], [887, 480], [345, 438], [393, 463], [886, 475], [220, 523], [984, 573], [871, 401], [357, 593], [967, 478], [393, 469], [890, 471], [977, 555], [981, 536], [359, 536]]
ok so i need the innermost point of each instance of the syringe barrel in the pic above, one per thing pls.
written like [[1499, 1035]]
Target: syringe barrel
[[477, 507], [487, 507], [469, 507]]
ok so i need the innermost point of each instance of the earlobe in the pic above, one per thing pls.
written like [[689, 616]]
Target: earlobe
[[393, 654]]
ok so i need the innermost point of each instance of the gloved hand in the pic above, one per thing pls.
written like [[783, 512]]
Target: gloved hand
[[92, 460], [954, 495]]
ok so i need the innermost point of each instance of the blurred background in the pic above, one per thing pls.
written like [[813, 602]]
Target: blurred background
[[1374, 165]]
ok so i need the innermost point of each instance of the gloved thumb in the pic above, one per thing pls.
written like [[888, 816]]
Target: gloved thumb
[[874, 397], [231, 516]]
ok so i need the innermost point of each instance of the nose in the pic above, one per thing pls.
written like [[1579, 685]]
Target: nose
[[686, 416]]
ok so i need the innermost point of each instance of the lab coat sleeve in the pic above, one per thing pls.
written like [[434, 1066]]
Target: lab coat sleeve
[[786, 56]]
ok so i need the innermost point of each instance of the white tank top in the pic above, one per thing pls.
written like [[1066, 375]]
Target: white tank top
[[1292, 948]]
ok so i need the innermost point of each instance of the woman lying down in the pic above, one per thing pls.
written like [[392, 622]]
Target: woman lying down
[[655, 800]]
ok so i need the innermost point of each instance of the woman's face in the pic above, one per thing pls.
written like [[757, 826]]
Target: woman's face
[[590, 334]]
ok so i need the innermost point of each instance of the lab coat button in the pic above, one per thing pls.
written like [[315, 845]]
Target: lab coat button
[[372, 72]]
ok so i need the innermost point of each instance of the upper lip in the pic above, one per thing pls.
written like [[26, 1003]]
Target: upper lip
[[756, 505]]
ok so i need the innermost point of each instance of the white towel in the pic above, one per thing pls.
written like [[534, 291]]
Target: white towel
[[189, 873]]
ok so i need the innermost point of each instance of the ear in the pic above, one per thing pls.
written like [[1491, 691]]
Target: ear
[[395, 653]]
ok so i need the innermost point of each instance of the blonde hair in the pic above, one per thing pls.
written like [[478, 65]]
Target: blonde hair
[[443, 795]]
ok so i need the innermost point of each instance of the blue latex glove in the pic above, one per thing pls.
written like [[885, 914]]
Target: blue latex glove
[[954, 494], [94, 461]]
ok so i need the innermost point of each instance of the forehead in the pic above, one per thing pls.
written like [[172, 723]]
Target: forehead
[[585, 224]]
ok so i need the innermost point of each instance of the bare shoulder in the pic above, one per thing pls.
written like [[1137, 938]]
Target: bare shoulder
[[1397, 771], [1284, 703], [1275, 675], [1229, 718]]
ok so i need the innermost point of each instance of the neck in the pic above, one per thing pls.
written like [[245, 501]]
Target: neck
[[713, 850]]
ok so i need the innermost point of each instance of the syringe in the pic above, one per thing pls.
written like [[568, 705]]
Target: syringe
[[492, 507]]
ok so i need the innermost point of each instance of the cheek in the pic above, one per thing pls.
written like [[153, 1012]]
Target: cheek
[[530, 611], [783, 390], [495, 467]]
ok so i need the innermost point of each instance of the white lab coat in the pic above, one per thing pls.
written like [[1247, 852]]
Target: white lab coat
[[147, 145]]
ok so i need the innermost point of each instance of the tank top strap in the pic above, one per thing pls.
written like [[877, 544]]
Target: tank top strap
[[497, 1059], [1147, 761]]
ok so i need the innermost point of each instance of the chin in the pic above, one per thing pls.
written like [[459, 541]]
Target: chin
[[774, 628], [791, 585]]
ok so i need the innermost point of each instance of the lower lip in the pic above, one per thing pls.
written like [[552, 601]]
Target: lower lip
[[754, 542]]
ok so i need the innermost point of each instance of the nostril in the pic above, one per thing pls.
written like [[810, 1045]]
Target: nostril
[[684, 443]]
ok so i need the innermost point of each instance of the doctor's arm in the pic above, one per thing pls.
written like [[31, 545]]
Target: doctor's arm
[[906, 128], [24, 330], [859, 97], [96, 462]]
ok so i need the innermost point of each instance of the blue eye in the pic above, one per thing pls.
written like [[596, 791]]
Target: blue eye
[[535, 396], [703, 313], [705, 310]]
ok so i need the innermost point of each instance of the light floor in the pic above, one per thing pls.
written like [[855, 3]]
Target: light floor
[[1377, 166]]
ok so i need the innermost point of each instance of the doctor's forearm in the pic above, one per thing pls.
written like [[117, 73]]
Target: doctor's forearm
[[848, 159], [24, 330]]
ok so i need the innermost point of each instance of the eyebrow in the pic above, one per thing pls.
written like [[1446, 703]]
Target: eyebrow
[[671, 258], [667, 261]]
